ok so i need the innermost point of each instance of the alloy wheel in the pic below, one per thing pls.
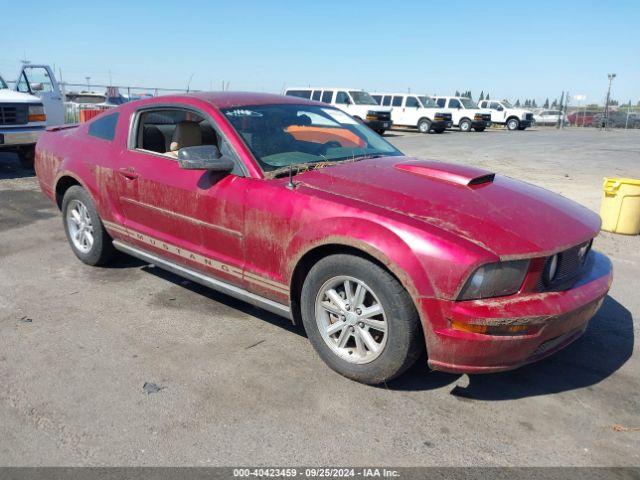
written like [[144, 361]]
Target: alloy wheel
[[80, 226]]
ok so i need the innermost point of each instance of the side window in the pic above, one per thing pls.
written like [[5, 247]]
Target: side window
[[38, 78], [327, 95], [397, 101], [454, 103], [440, 102], [342, 97], [23, 85], [167, 130], [104, 126], [316, 95], [494, 105], [299, 93], [386, 101], [484, 104], [412, 102], [377, 98]]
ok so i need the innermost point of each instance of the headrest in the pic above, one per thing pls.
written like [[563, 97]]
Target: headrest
[[186, 134]]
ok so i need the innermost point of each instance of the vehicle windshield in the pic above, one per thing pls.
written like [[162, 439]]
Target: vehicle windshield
[[468, 103], [362, 98], [304, 136], [427, 102], [3, 84], [507, 103]]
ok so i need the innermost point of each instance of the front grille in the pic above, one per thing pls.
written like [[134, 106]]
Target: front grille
[[383, 116], [569, 267], [13, 114], [528, 116]]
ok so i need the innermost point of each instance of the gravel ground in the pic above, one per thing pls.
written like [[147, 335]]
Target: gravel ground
[[229, 384]]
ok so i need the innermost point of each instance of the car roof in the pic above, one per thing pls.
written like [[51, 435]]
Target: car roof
[[231, 99], [401, 94], [327, 88]]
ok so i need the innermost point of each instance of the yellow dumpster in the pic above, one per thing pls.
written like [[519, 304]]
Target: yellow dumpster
[[620, 209]]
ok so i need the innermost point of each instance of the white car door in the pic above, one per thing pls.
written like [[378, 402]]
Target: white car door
[[39, 80], [397, 105], [411, 111], [498, 112]]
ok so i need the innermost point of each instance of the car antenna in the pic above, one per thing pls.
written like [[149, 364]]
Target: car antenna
[[291, 185]]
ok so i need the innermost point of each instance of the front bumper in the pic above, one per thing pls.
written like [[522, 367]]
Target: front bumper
[[557, 319], [441, 124], [379, 124], [526, 123], [480, 124], [13, 137]]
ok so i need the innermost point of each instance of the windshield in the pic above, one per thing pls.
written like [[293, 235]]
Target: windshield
[[362, 98], [3, 84], [304, 136], [468, 103], [507, 104], [427, 102]]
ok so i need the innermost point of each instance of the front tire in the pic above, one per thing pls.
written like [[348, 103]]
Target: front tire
[[465, 125], [359, 319], [513, 124], [438, 130], [88, 239], [424, 125]]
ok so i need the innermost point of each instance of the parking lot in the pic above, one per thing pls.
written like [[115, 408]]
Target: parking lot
[[229, 384]]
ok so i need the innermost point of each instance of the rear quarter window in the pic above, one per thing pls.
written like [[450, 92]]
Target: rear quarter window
[[104, 127]]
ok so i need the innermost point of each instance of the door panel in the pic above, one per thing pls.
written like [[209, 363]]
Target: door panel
[[193, 216], [39, 81]]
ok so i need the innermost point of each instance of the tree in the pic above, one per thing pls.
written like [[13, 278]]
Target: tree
[[533, 104], [546, 103], [481, 96], [487, 97], [517, 103], [554, 104]]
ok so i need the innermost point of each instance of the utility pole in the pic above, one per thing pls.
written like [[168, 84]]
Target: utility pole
[[611, 76], [561, 104], [88, 83]]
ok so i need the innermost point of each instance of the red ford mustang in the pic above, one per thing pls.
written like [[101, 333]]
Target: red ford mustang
[[294, 206]]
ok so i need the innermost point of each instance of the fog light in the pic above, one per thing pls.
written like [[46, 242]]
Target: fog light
[[492, 329], [550, 269]]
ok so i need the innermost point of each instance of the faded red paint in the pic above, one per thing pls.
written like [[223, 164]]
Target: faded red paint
[[426, 221]]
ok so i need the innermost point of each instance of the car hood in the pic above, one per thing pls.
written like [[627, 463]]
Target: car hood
[[11, 96], [507, 217]]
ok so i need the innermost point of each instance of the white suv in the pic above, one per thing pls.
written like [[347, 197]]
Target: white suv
[[465, 113], [503, 113], [417, 111], [357, 103]]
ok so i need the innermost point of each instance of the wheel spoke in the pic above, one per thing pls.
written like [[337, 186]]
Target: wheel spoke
[[379, 325], [75, 217], [344, 337], [359, 343], [89, 237], [335, 298], [358, 297], [331, 308], [371, 311], [336, 327], [368, 340], [77, 234], [348, 291]]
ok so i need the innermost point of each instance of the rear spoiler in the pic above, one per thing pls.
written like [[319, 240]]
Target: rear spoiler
[[57, 128]]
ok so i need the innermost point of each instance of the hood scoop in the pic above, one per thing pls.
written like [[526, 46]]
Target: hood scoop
[[448, 172]]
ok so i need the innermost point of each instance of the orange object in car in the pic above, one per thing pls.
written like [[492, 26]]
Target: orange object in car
[[325, 134]]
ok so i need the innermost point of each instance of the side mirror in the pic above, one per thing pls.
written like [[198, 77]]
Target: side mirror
[[459, 107], [204, 157], [37, 87]]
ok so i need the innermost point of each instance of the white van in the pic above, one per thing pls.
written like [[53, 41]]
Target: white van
[[357, 103], [417, 111], [465, 113]]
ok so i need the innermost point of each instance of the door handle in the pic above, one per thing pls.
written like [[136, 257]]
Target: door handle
[[128, 172]]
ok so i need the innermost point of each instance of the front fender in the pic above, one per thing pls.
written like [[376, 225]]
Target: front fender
[[372, 238]]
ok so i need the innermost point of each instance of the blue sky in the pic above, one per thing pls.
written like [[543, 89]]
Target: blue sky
[[512, 49]]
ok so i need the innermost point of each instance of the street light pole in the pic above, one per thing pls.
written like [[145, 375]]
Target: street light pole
[[611, 76]]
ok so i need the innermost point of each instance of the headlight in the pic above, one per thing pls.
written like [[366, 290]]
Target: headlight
[[36, 114], [495, 280]]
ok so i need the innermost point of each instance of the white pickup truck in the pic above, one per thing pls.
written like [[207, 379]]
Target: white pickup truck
[[503, 113], [25, 111], [465, 113]]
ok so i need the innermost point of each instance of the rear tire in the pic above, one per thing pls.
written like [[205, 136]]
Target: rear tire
[[369, 348], [424, 125], [26, 155], [465, 125], [88, 239], [513, 124]]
